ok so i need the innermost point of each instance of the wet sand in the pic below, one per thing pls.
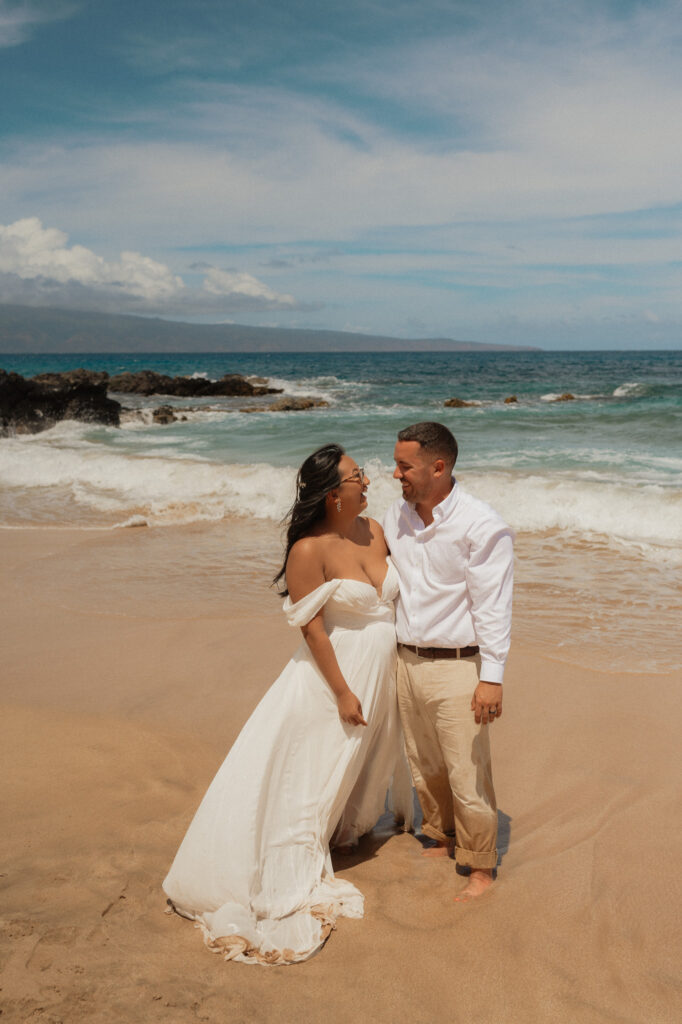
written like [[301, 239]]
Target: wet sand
[[123, 685]]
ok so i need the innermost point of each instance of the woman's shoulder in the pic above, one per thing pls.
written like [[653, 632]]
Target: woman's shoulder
[[307, 555], [309, 546], [305, 566]]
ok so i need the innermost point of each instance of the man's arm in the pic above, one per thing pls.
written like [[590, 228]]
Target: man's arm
[[490, 578]]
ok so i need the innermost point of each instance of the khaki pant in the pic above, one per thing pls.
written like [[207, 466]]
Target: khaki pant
[[449, 754]]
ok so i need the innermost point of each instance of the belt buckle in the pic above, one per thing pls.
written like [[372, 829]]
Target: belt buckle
[[421, 652]]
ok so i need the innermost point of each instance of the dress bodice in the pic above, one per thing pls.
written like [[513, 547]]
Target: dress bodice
[[346, 600]]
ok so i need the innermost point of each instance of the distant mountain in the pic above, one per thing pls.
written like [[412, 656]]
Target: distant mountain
[[26, 329]]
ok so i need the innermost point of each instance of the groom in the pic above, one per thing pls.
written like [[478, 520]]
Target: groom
[[454, 557]]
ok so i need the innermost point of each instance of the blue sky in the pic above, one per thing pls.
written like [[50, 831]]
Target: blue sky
[[491, 171]]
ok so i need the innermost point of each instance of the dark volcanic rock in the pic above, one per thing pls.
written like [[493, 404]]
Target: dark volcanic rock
[[143, 382], [458, 403], [288, 405], [512, 400], [234, 384], [29, 406], [566, 397], [147, 382], [164, 414], [71, 379]]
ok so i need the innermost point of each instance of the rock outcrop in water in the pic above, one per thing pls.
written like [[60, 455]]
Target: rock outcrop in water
[[459, 403], [147, 382], [166, 414], [28, 406], [288, 405]]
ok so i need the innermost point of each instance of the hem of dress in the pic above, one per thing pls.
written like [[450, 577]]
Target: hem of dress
[[236, 947], [239, 948]]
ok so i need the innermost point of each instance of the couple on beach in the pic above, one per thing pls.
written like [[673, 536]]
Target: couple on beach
[[311, 768]]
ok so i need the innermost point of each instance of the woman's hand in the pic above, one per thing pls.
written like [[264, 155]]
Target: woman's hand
[[350, 709]]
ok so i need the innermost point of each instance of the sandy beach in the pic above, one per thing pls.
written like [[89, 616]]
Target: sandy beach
[[130, 664]]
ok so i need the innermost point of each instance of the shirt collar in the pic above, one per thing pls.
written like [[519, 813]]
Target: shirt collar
[[448, 503], [440, 512]]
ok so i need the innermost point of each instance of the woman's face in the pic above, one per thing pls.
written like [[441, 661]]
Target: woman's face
[[354, 484]]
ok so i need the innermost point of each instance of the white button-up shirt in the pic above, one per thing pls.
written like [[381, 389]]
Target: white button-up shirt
[[456, 577]]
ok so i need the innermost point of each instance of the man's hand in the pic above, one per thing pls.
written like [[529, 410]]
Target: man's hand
[[486, 702]]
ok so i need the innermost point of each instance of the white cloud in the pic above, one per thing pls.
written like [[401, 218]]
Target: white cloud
[[269, 166], [475, 157], [29, 250], [19, 19], [587, 122], [37, 264], [230, 282]]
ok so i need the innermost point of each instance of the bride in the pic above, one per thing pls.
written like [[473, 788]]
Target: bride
[[312, 765]]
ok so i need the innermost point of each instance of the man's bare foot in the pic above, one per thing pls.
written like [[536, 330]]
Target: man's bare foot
[[439, 850], [480, 879]]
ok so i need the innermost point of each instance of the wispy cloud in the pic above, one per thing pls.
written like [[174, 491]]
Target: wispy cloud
[[20, 18], [451, 163], [587, 122]]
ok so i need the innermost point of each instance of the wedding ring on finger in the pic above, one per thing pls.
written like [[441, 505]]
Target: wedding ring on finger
[[492, 711]]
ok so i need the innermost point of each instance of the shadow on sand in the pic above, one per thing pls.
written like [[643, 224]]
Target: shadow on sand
[[386, 827]]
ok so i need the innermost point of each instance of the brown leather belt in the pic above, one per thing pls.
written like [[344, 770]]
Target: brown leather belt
[[440, 652]]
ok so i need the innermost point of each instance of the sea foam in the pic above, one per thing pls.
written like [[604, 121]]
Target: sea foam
[[163, 487]]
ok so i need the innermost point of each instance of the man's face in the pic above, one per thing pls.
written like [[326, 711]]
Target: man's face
[[420, 475]]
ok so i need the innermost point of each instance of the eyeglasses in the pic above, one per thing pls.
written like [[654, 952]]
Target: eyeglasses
[[357, 477]]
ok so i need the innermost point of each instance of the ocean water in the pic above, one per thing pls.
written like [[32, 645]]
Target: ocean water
[[593, 486]]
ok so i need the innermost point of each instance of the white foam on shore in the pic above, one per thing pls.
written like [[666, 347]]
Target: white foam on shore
[[162, 487], [628, 388], [156, 486], [648, 518], [319, 387], [142, 419], [553, 396]]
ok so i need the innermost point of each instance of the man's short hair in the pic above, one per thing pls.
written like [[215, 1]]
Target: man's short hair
[[434, 438]]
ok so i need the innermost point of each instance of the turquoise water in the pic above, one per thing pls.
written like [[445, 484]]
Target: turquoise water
[[592, 486], [626, 418]]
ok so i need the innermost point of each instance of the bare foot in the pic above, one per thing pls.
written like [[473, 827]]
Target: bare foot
[[439, 850], [480, 879]]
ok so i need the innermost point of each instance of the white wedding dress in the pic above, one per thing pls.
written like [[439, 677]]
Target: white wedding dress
[[254, 869]]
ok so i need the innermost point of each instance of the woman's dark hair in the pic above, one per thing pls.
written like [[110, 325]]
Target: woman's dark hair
[[318, 475]]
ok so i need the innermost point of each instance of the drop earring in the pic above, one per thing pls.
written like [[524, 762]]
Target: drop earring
[[338, 505]]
